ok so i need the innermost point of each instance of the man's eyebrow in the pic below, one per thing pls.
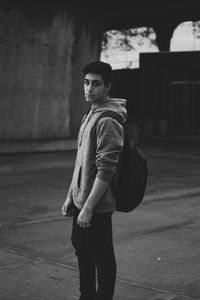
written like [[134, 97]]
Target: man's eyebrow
[[96, 80], [93, 80]]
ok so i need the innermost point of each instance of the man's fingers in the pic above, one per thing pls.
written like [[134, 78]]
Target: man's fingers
[[64, 210], [67, 211], [83, 224]]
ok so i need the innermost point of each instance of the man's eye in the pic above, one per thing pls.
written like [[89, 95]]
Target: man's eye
[[96, 84]]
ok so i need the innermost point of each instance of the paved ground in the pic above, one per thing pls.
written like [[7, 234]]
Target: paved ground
[[157, 245]]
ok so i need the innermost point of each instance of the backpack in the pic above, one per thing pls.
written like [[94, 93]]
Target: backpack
[[130, 180]]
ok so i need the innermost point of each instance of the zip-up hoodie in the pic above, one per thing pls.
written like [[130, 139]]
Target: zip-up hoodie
[[99, 147]]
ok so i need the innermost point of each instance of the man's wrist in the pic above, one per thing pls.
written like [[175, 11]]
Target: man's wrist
[[88, 207]]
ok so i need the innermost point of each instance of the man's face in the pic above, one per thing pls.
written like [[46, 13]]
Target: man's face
[[95, 88]]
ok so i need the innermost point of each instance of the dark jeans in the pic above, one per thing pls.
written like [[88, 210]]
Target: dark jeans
[[95, 253]]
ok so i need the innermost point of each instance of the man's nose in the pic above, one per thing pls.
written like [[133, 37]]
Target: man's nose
[[90, 88]]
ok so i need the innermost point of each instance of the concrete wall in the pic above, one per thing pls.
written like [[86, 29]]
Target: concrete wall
[[87, 47], [41, 95]]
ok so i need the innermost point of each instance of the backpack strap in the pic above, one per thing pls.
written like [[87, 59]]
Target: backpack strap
[[112, 114]]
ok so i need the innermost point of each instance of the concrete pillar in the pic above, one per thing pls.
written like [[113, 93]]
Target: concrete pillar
[[164, 33]]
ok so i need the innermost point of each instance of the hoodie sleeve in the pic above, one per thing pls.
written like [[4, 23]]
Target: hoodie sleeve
[[110, 136]]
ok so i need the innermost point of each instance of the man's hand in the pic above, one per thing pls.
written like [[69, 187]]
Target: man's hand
[[84, 217], [67, 209]]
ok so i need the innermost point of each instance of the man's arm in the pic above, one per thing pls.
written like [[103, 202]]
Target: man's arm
[[99, 189], [109, 146]]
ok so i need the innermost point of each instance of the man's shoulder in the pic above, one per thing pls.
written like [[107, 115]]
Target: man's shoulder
[[110, 116]]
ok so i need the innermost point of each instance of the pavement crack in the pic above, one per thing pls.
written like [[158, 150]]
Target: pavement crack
[[36, 221], [170, 227], [37, 258], [129, 283]]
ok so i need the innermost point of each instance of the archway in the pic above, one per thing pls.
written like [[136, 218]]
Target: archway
[[186, 37]]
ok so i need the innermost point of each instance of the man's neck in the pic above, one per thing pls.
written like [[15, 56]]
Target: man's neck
[[99, 103]]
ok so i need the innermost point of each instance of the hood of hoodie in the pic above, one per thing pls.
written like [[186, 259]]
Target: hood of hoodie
[[114, 104]]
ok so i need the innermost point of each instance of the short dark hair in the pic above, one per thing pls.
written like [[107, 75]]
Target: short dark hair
[[99, 68]]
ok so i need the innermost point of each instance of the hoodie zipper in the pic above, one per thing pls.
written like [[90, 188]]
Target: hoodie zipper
[[84, 125]]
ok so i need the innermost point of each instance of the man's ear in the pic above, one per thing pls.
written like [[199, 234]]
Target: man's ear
[[108, 86]]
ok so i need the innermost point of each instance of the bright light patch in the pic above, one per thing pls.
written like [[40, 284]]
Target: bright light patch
[[186, 37], [121, 48]]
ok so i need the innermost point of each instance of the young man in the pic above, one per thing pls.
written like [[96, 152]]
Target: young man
[[99, 146]]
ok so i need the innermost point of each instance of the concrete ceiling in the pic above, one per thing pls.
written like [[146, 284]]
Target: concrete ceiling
[[130, 13], [120, 14]]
